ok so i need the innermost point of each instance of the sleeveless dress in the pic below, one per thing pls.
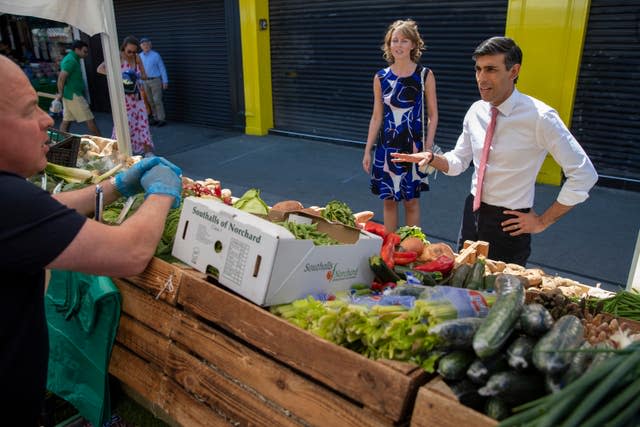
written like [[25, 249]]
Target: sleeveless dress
[[401, 132], [137, 115]]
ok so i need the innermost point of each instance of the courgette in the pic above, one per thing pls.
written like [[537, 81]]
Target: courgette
[[499, 323], [507, 283], [514, 387], [481, 370], [475, 278], [520, 352], [459, 275], [457, 333], [552, 354], [382, 272], [489, 282], [454, 365], [535, 320], [497, 408]]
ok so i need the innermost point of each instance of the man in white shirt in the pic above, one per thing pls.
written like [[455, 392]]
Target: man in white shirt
[[526, 130]]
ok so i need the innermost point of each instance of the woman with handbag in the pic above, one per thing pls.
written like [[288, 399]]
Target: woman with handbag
[[398, 123], [132, 76]]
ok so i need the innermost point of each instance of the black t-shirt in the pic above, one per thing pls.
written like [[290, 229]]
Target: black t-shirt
[[34, 230]]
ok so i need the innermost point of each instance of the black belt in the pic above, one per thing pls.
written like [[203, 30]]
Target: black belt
[[152, 78]]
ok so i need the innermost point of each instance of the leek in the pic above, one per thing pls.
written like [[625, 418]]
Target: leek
[[69, 174]]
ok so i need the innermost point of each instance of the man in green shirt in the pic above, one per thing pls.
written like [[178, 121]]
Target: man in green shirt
[[71, 89]]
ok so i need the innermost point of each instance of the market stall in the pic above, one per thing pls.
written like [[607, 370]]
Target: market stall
[[408, 332], [92, 17]]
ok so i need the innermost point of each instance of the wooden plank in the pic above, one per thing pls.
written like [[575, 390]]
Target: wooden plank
[[140, 305], [306, 399], [436, 406], [222, 393], [141, 340], [158, 394], [374, 384], [161, 279]]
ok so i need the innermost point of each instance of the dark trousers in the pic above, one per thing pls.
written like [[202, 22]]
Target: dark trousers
[[484, 224]]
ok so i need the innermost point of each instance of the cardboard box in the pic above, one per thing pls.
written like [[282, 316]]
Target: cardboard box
[[263, 261]]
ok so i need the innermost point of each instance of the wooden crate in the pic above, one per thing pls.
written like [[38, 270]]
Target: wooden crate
[[248, 366], [437, 406]]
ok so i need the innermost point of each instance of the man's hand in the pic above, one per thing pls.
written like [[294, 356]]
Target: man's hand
[[165, 86], [128, 182], [422, 158], [162, 180], [523, 223], [532, 223]]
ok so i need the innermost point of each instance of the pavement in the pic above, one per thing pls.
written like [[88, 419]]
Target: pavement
[[594, 243]]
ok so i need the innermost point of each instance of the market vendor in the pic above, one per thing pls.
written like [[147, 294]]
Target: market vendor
[[41, 231], [507, 135]]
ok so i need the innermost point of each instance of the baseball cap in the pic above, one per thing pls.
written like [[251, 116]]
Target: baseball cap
[[145, 39]]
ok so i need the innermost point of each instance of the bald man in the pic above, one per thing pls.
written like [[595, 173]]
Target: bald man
[[40, 231]]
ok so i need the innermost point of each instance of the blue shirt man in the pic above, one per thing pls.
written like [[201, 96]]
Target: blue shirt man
[[157, 81]]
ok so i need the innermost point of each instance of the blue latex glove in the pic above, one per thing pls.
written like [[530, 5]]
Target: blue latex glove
[[128, 182], [162, 179]]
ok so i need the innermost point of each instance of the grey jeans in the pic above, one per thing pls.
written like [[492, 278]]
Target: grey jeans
[[153, 87]]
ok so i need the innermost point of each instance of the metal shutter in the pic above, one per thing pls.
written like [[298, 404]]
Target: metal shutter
[[192, 38], [606, 117], [325, 53]]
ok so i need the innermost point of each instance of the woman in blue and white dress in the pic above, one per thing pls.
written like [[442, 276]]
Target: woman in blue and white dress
[[396, 123]]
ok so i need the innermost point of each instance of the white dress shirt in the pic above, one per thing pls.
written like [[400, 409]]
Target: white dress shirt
[[526, 129]]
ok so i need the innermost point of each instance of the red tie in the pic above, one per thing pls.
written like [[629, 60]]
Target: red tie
[[483, 161]]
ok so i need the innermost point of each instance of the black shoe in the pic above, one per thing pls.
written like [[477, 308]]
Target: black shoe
[[160, 123], [153, 122]]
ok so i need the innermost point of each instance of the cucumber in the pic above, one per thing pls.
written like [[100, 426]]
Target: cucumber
[[459, 275], [481, 370], [467, 394], [499, 323], [457, 333], [381, 270], [427, 279], [514, 387], [551, 355], [579, 363], [535, 320], [553, 383], [601, 356], [475, 278], [497, 409], [507, 283], [489, 282], [520, 352], [454, 365]]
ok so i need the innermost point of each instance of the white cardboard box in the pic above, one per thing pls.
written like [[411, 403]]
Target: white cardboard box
[[263, 261]]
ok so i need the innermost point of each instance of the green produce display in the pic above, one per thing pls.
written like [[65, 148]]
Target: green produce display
[[252, 203], [338, 211], [378, 332], [309, 232]]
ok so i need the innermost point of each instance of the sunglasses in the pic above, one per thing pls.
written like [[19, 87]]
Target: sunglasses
[[130, 51]]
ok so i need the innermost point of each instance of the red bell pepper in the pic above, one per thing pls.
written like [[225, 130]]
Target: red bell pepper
[[443, 264], [375, 228], [391, 240], [405, 257]]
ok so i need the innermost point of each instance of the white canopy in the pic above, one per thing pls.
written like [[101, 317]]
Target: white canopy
[[92, 17]]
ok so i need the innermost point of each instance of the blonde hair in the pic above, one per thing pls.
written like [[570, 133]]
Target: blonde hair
[[409, 29]]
